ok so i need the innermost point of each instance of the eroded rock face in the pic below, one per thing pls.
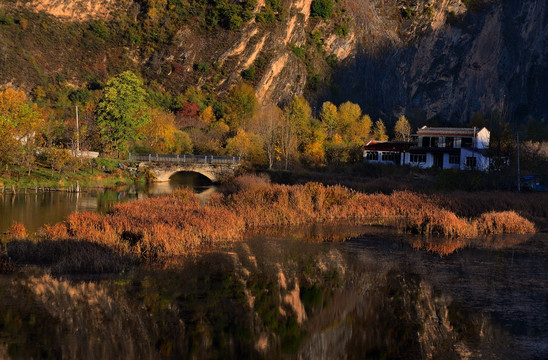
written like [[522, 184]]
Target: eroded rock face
[[486, 59], [78, 10]]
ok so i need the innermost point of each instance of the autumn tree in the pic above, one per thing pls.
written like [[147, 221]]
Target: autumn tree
[[329, 118], [248, 145], [267, 124], [402, 129], [349, 114], [120, 111], [296, 128], [207, 116], [20, 127], [379, 131], [360, 131], [160, 135], [314, 150], [241, 107]]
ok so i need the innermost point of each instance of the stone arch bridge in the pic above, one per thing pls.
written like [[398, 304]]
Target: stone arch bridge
[[165, 166]]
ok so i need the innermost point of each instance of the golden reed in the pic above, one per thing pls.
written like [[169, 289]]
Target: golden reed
[[177, 224]]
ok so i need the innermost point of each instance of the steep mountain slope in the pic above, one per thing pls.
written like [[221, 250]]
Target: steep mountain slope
[[428, 59], [490, 57]]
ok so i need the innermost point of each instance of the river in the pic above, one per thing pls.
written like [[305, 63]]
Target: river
[[34, 209], [315, 292]]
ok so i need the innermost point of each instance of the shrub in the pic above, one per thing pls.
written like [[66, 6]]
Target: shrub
[[249, 73], [332, 60], [265, 16], [201, 67], [299, 51], [100, 29], [341, 30], [6, 19], [322, 8]]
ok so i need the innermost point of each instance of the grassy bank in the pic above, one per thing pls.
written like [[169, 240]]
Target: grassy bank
[[100, 172], [156, 228]]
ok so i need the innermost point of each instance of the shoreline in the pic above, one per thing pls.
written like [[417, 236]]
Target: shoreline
[[158, 228]]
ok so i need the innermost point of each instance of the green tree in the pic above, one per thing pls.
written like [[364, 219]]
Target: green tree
[[121, 110], [402, 129], [379, 132]]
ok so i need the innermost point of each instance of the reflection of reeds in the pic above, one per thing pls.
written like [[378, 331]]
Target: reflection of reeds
[[173, 225], [441, 246]]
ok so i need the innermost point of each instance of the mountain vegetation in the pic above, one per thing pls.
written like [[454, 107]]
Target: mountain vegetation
[[279, 82]]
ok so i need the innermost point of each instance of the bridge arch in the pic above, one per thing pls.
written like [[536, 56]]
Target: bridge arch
[[165, 166], [166, 175], [193, 178]]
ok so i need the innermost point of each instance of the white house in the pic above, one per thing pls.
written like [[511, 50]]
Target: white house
[[385, 152], [450, 148], [443, 148]]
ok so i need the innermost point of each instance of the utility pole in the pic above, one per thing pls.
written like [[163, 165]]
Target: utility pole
[[77, 133], [519, 177]]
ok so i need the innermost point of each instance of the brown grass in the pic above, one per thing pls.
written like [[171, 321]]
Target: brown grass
[[472, 205], [173, 225], [17, 231]]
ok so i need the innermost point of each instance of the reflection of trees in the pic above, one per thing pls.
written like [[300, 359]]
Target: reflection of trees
[[259, 299]]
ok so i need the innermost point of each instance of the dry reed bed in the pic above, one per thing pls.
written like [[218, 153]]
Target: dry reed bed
[[174, 225]]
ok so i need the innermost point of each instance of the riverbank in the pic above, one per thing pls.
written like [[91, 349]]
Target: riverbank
[[93, 173], [158, 228]]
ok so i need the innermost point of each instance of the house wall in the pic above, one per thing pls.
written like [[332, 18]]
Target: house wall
[[447, 165], [482, 139], [482, 162], [406, 160], [380, 161]]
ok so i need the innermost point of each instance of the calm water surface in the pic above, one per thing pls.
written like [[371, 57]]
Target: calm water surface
[[289, 295], [36, 209], [318, 292]]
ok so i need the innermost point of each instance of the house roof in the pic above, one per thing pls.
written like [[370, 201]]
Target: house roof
[[388, 145], [447, 131]]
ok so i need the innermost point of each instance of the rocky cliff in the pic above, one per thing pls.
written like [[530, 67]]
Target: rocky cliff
[[492, 56], [440, 60]]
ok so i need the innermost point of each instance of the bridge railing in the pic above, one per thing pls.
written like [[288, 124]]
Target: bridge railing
[[191, 159]]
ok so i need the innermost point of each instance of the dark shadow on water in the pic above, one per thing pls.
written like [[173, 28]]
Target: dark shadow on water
[[68, 256]]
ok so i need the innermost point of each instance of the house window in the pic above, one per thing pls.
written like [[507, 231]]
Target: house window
[[449, 142], [434, 141], [454, 159], [417, 158], [471, 162], [466, 142], [389, 156], [372, 156], [426, 141]]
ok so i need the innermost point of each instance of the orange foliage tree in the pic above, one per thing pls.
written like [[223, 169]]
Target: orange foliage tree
[[20, 127]]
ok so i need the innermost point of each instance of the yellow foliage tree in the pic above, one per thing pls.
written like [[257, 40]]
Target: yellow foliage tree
[[402, 129], [207, 116], [379, 132], [20, 128], [161, 135], [349, 115], [248, 145], [329, 118]]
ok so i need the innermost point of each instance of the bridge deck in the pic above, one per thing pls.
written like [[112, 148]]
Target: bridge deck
[[189, 159]]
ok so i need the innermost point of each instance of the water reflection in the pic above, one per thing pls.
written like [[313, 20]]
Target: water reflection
[[35, 209], [370, 297]]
